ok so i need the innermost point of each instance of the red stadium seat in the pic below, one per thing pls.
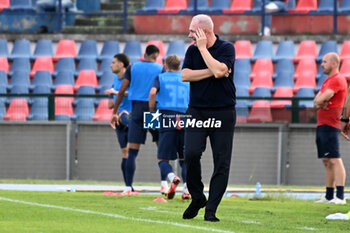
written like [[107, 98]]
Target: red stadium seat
[[243, 49], [4, 4], [262, 64], [65, 48], [262, 79], [260, 112], [103, 113], [305, 64], [345, 51], [173, 6], [4, 64], [239, 6], [86, 78], [42, 63], [282, 92], [63, 105], [17, 111], [306, 79], [304, 6], [280, 109], [345, 69], [307, 50]]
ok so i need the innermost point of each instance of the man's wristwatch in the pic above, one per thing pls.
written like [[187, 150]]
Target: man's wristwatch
[[344, 120]]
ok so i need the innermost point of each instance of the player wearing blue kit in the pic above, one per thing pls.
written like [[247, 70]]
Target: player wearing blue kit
[[173, 98], [139, 78], [119, 65]]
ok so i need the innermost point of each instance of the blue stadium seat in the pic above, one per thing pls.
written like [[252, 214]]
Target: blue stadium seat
[[243, 65], [325, 6], [64, 77], [284, 65], [84, 110], [151, 6], [21, 49], [18, 90], [19, 78], [21, 4], [3, 79], [261, 92], [43, 49], [241, 79], [109, 49], [263, 50], [285, 50], [87, 90], [242, 112], [86, 64], [243, 92], [306, 92], [202, 5], [88, 49], [3, 90], [320, 73], [176, 47], [344, 7], [41, 78], [65, 64], [320, 82], [133, 50], [39, 110], [217, 6], [4, 51], [283, 79], [104, 66], [2, 109], [327, 47], [22, 64], [106, 80]]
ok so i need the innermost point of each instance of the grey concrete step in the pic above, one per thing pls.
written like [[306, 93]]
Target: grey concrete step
[[94, 30]]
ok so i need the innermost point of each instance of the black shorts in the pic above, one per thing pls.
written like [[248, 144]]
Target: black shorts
[[327, 142], [171, 144]]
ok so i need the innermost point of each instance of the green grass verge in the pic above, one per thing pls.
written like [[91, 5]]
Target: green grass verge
[[139, 213]]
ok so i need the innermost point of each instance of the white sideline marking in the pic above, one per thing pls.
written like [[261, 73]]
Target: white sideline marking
[[155, 209], [114, 215], [307, 228]]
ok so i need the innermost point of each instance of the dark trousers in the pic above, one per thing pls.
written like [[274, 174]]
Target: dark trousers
[[221, 140]]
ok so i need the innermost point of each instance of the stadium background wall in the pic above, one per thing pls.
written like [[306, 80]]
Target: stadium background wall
[[268, 153]]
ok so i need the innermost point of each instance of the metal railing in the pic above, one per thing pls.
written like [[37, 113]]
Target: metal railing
[[51, 101]]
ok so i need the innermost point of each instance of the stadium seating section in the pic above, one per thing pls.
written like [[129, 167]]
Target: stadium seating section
[[264, 69]]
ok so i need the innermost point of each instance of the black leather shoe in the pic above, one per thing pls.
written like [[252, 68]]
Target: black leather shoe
[[193, 208], [210, 216]]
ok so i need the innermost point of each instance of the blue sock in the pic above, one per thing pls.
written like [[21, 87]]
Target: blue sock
[[329, 193], [183, 170], [165, 169], [130, 167], [123, 165], [340, 192]]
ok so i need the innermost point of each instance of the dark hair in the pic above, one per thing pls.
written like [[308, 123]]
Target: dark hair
[[122, 57], [173, 62], [151, 49]]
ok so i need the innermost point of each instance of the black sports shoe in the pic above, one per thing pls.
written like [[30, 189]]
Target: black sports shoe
[[193, 208], [210, 216]]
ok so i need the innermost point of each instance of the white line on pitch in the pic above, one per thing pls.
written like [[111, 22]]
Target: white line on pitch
[[114, 215]]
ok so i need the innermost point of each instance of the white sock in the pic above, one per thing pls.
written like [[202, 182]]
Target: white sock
[[267, 31], [164, 183], [171, 176], [185, 190], [127, 188]]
